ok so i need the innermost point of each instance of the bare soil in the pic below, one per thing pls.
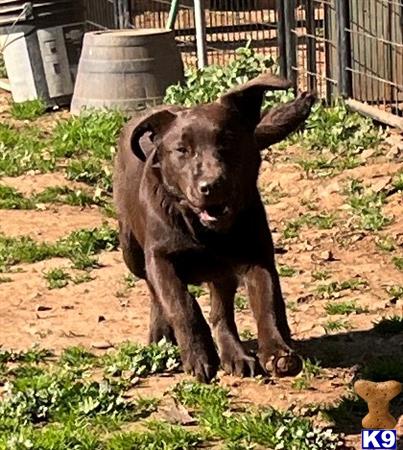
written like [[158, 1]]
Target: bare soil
[[104, 312]]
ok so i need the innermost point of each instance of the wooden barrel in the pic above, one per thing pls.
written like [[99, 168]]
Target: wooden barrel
[[126, 69]]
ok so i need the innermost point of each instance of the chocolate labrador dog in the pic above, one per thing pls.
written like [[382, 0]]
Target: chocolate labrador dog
[[189, 212]]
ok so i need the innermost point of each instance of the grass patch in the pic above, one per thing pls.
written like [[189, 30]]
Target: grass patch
[[330, 290], [345, 308], [240, 303], [366, 205], [57, 278], [398, 262], [196, 291], [10, 198], [286, 271], [333, 326], [79, 247], [310, 370], [323, 221], [395, 292], [28, 110], [142, 361], [385, 243], [246, 428], [89, 143], [397, 181], [22, 150], [320, 275]]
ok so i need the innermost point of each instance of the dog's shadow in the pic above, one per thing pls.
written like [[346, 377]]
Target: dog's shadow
[[369, 354]]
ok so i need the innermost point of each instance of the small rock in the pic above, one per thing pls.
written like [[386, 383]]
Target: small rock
[[67, 307], [368, 153], [381, 184], [326, 255], [43, 308], [101, 345], [101, 318], [394, 152]]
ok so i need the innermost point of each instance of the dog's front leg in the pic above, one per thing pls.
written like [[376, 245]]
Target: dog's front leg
[[268, 308], [183, 313]]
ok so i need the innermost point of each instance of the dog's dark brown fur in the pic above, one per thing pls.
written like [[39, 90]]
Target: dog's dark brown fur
[[189, 212]]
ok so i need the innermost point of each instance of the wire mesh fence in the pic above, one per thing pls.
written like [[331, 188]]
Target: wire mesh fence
[[229, 24], [352, 48]]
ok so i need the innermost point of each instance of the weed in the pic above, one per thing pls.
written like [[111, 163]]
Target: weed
[[320, 275], [246, 334], [395, 292], [386, 243], [292, 306], [240, 303], [28, 110], [367, 205], [286, 271], [266, 427], [33, 355], [348, 307], [142, 361], [82, 278], [93, 133], [389, 325], [161, 436], [130, 280], [398, 262], [65, 195], [329, 290], [311, 369], [196, 291], [398, 181], [338, 130], [57, 278], [207, 84], [23, 150], [78, 246], [10, 198], [77, 357], [5, 279], [331, 326], [322, 221]]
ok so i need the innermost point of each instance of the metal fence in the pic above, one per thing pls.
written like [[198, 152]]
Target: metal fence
[[229, 24], [352, 48]]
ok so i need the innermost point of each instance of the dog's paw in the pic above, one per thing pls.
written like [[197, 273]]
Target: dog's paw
[[201, 362], [235, 361], [283, 363]]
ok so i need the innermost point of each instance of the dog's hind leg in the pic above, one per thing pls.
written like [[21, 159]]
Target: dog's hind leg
[[234, 359], [133, 254], [159, 327]]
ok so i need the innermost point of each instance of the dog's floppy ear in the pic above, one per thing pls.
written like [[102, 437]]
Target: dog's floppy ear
[[247, 99], [152, 124], [283, 119]]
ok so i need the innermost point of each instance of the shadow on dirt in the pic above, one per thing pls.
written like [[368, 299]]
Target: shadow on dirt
[[371, 355]]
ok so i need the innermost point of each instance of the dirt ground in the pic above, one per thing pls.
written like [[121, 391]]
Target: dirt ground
[[105, 312]]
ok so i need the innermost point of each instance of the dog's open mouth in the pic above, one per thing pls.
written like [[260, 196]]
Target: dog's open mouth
[[213, 213]]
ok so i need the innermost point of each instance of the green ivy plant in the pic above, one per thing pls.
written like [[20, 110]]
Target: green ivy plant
[[207, 84]]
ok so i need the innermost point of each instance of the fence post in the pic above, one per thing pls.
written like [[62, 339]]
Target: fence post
[[344, 47], [291, 41], [200, 24], [281, 38], [122, 14]]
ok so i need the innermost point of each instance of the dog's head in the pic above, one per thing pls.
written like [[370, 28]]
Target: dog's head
[[207, 155]]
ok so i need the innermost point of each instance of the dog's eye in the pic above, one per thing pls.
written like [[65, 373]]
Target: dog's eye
[[182, 150]]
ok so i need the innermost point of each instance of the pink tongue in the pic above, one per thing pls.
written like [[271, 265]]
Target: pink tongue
[[204, 215]]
